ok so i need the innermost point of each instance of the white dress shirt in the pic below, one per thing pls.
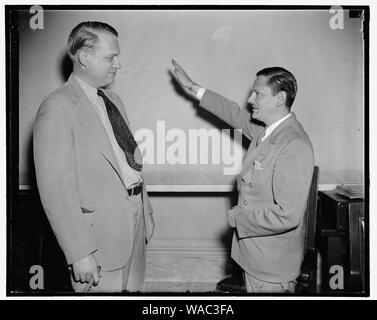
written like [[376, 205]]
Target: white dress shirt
[[131, 177], [273, 126]]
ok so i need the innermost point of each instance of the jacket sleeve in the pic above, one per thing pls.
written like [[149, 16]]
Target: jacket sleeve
[[55, 173], [291, 182], [231, 113]]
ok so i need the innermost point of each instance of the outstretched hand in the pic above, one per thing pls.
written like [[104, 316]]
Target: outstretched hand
[[184, 80]]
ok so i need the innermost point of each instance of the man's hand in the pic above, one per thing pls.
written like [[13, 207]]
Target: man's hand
[[184, 80], [86, 270], [232, 216]]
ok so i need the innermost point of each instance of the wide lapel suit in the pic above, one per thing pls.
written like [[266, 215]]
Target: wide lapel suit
[[273, 187], [79, 179]]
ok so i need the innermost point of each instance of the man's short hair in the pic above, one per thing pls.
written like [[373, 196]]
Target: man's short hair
[[85, 35], [280, 79]]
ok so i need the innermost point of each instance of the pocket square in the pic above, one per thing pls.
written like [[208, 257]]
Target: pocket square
[[87, 210], [258, 165]]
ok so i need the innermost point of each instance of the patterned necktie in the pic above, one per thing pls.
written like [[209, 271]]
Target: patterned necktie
[[122, 134]]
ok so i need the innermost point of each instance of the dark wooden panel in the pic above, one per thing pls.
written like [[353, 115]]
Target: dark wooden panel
[[32, 242], [342, 243]]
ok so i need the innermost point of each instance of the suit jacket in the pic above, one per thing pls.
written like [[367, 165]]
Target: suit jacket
[[79, 179], [273, 188]]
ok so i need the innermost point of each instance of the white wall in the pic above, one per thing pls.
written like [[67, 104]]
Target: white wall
[[222, 50]]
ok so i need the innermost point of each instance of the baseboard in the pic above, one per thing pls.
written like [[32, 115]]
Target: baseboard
[[187, 248], [180, 287]]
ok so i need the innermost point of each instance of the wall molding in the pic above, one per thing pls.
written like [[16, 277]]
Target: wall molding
[[201, 188]]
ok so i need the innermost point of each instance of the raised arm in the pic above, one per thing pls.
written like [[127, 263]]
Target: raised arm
[[226, 110]]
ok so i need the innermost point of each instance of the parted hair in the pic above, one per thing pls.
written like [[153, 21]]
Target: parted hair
[[85, 35], [280, 79]]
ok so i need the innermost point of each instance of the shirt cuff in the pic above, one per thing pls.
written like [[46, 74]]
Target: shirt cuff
[[200, 93]]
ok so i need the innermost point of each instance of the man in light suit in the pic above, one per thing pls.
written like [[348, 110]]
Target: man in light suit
[[274, 182], [88, 169]]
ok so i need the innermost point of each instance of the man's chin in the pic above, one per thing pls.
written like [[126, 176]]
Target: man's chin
[[109, 82]]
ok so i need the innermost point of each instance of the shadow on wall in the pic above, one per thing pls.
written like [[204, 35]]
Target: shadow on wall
[[66, 67]]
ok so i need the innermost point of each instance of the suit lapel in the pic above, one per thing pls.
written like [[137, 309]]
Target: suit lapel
[[93, 129], [260, 150], [291, 121]]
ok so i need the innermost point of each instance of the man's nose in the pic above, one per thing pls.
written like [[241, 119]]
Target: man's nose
[[251, 98], [117, 64]]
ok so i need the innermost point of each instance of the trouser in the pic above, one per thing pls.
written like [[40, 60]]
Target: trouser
[[256, 285], [130, 277]]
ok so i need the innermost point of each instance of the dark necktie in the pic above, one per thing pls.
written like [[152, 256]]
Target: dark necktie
[[122, 134]]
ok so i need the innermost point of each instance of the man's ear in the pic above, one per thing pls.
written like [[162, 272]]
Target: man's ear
[[82, 57], [282, 97]]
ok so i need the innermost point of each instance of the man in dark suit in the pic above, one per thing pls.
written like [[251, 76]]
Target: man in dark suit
[[88, 169], [274, 182]]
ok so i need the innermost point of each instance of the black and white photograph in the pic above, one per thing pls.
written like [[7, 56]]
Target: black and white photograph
[[212, 151]]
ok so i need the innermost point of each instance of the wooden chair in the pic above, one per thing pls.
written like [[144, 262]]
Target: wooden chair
[[307, 281], [356, 222]]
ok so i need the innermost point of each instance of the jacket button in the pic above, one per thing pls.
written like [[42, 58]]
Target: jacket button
[[251, 185], [245, 202]]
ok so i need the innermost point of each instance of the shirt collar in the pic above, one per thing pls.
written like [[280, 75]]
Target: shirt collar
[[90, 91], [273, 126]]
